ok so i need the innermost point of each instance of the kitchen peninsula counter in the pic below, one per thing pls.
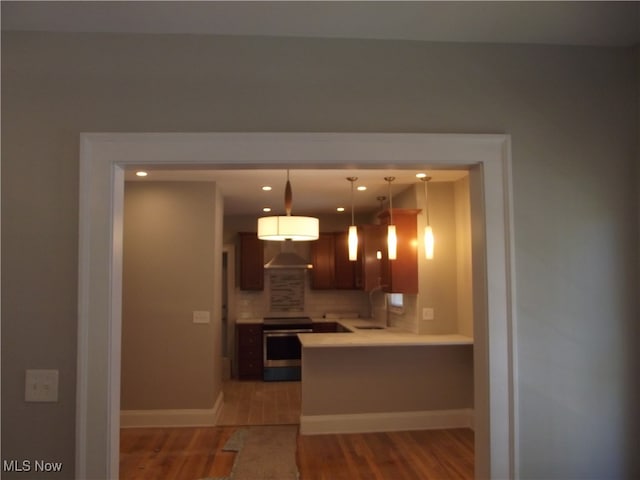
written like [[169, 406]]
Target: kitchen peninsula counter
[[384, 337], [261, 320], [369, 380]]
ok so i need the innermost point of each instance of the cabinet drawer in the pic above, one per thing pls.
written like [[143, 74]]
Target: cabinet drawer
[[250, 341], [250, 353], [249, 334], [250, 329], [250, 367], [249, 350]]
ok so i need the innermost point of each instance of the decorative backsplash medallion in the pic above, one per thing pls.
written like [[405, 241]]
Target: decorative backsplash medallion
[[287, 290]]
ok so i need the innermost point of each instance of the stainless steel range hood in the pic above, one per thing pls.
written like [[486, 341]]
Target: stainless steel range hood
[[287, 258]]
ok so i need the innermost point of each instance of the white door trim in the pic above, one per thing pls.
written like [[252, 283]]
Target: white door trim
[[105, 156]]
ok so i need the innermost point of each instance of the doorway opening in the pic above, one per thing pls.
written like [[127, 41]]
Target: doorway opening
[[146, 202], [104, 157]]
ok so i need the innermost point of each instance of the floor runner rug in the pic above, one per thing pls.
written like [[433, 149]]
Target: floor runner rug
[[268, 453], [264, 453]]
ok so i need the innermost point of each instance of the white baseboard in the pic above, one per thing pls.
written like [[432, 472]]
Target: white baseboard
[[173, 418], [386, 421]]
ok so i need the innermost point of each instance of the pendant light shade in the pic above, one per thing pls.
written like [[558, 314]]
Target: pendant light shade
[[288, 227], [392, 238], [392, 242], [353, 230], [429, 240], [353, 243]]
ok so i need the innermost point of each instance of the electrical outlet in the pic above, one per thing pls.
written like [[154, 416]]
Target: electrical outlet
[[41, 386], [428, 313]]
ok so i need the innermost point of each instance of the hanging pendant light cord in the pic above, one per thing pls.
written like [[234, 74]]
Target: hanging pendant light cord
[[389, 180], [426, 198], [352, 179], [288, 196], [352, 214]]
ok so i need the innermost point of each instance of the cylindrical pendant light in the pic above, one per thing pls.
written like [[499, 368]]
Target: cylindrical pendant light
[[353, 230], [429, 240], [288, 227], [392, 238]]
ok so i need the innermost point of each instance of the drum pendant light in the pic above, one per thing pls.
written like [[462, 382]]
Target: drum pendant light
[[353, 230], [392, 239], [288, 227]]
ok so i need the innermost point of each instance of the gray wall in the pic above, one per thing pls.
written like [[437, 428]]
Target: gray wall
[[438, 278], [572, 115], [169, 259], [345, 381]]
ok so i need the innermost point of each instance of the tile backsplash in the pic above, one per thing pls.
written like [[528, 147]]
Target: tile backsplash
[[288, 291], [320, 302], [293, 294]]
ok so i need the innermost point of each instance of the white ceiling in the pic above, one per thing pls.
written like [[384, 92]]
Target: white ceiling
[[314, 191], [569, 23]]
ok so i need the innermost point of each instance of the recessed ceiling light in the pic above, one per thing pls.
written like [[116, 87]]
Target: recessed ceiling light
[[266, 188], [266, 209], [340, 209], [362, 188], [141, 173], [421, 175]]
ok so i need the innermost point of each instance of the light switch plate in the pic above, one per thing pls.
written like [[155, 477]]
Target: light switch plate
[[428, 313], [201, 316], [41, 386]]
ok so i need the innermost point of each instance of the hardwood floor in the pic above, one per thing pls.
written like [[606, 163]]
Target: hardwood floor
[[419, 455], [261, 403], [194, 453], [174, 453]]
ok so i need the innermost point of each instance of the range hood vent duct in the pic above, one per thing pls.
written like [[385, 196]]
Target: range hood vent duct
[[287, 258]]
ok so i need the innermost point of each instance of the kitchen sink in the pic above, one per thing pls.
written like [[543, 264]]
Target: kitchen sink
[[370, 327]]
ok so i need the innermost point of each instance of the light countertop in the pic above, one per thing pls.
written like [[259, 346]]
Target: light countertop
[[386, 337], [249, 320], [313, 319]]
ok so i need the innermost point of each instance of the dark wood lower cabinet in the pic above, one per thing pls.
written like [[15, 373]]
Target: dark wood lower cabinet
[[325, 327], [249, 336]]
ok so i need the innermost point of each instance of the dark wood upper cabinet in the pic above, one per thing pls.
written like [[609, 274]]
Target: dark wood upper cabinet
[[401, 275], [332, 269], [251, 261], [323, 261], [345, 269]]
